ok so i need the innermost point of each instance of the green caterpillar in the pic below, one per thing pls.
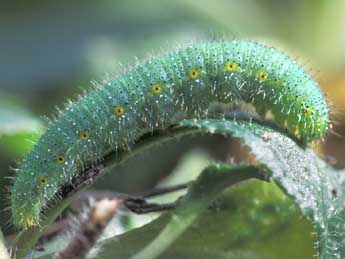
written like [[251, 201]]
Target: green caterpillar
[[149, 96]]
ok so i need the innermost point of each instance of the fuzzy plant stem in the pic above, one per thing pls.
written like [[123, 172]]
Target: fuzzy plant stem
[[90, 230]]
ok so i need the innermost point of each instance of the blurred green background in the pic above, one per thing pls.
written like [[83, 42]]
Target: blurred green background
[[50, 50]]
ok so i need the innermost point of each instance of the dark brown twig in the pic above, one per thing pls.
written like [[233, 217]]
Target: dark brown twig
[[136, 203], [90, 230], [140, 206]]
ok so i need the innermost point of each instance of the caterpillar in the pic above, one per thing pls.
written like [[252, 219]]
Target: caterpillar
[[156, 95]]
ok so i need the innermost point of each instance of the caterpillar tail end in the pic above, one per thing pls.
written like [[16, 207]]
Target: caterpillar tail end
[[25, 217]]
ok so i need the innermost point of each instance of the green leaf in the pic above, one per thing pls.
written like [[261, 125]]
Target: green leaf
[[213, 180], [314, 185], [15, 119], [276, 224], [17, 127], [253, 219]]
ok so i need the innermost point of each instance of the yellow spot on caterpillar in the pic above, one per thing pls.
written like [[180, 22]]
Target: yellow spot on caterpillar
[[308, 111], [42, 180], [118, 111], [231, 66], [262, 75], [156, 89], [194, 73], [59, 159], [84, 135]]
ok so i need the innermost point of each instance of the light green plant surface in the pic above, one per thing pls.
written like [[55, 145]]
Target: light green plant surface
[[17, 126], [254, 219]]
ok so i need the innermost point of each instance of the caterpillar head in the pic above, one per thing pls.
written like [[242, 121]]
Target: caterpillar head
[[315, 124], [312, 115]]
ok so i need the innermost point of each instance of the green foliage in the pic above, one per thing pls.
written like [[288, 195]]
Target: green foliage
[[254, 219], [17, 127], [219, 218], [313, 185]]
